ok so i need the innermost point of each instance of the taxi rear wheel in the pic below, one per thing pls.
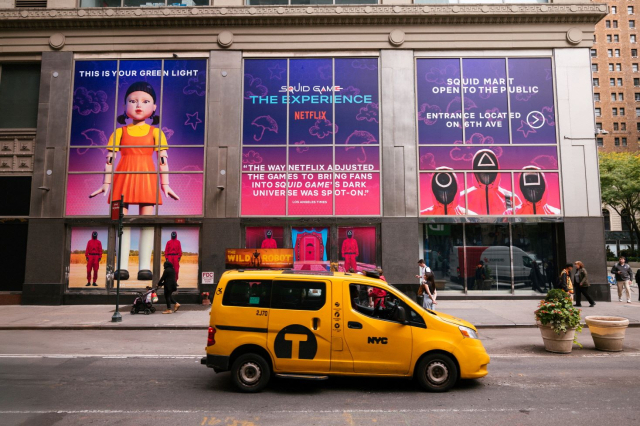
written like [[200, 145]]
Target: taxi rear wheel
[[437, 373], [250, 373]]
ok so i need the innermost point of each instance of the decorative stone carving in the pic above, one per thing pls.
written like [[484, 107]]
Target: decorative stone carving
[[396, 37], [225, 38], [574, 36], [56, 41]]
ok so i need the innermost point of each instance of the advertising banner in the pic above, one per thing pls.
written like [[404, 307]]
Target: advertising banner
[[258, 258], [324, 114], [137, 130], [487, 137]]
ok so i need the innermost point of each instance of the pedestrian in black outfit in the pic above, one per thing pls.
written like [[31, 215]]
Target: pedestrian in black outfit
[[638, 282], [168, 280], [581, 286], [537, 281]]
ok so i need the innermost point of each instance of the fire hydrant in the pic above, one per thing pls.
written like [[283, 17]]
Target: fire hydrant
[[205, 298]]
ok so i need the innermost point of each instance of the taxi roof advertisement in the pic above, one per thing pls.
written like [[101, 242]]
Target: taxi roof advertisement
[[258, 258]]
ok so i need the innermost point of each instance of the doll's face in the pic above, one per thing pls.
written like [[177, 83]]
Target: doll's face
[[140, 106]]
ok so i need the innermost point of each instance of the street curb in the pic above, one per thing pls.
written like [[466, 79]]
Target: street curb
[[199, 327]]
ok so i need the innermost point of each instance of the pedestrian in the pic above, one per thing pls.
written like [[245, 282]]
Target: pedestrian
[[581, 281], [480, 276], [428, 291], [622, 273], [564, 282], [381, 274], [168, 280], [638, 282], [422, 269], [537, 281]]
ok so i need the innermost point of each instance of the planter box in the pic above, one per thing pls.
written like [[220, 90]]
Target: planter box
[[557, 343], [607, 332]]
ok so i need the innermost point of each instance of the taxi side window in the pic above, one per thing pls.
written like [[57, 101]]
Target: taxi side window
[[298, 295], [251, 293], [363, 296]]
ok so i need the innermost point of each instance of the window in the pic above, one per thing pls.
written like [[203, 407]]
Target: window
[[607, 219], [596, 82], [634, 67], [614, 10], [615, 24], [612, 82], [634, 53], [610, 67], [598, 112], [632, 24], [622, 111], [594, 67], [623, 126], [616, 38], [614, 97], [636, 81], [630, 10], [638, 115], [617, 53], [142, 3], [619, 81], [249, 293], [637, 97], [18, 190], [616, 141], [616, 127], [618, 67], [607, 24], [299, 295], [599, 126], [632, 38], [596, 97], [600, 142], [594, 53], [19, 91], [594, 38], [610, 53], [614, 112], [360, 303], [621, 96], [624, 141], [608, 38]]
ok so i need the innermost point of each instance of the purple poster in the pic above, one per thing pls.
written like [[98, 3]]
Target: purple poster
[[327, 167], [531, 96], [461, 157], [144, 141]]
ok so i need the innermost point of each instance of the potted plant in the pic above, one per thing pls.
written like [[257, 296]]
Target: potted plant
[[607, 332], [558, 322]]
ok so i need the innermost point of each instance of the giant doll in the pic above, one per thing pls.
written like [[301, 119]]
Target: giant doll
[[487, 197], [136, 143], [350, 252]]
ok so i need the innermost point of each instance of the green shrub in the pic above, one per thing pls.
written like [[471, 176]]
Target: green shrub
[[558, 311]]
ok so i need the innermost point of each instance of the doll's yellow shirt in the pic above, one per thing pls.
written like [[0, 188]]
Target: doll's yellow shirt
[[139, 131]]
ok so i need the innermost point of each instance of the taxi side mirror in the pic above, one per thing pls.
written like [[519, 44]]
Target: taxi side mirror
[[401, 315]]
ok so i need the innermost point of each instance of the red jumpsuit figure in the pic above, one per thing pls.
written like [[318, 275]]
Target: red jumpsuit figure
[[533, 186], [446, 197], [269, 242], [350, 252], [487, 197], [93, 253], [173, 252]]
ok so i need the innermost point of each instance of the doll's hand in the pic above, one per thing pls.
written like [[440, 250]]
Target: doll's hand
[[104, 188], [168, 192]]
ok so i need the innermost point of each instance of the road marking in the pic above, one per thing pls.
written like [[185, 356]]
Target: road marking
[[105, 356], [604, 355]]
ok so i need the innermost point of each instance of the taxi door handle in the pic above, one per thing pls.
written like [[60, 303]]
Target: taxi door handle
[[316, 321], [355, 325]]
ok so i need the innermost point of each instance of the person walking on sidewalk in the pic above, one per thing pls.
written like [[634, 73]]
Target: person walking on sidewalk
[[638, 282], [565, 280], [428, 291], [581, 280], [168, 280], [622, 273]]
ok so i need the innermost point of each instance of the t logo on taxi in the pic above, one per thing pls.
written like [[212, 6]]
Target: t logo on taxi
[[295, 342]]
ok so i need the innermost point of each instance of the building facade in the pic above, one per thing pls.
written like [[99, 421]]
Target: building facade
[[362, 135]]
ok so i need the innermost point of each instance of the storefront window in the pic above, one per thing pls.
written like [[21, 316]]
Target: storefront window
[[180, 246], [357, 248], [310, 248], [137, 131], [488, 265], [88, 262], [136, 265], [534, 256], [266, 237], [444, 254], [311, 137]]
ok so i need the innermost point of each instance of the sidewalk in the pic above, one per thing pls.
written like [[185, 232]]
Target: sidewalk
[[482, 313]]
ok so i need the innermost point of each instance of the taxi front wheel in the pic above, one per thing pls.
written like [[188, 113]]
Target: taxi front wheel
[[437, 373], [250, 373]]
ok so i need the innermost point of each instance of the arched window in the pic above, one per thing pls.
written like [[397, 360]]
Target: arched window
[[607, 219], [626, 220]]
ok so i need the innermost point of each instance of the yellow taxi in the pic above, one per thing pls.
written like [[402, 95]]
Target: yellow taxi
[[312, 325]]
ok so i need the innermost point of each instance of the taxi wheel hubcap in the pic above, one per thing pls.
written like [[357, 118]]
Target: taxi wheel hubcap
[[250, 373], [437, 372]]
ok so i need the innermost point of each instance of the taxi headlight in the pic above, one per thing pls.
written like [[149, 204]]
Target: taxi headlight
[[468, 332]]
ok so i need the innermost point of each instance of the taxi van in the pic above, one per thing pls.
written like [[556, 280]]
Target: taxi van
[[311, 325]]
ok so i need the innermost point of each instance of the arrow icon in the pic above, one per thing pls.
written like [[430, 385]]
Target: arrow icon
[[535, 119]]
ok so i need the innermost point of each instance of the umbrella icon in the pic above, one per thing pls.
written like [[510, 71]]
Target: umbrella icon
[[360, 137], [267, 123]]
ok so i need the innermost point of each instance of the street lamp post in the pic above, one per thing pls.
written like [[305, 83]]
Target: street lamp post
[[119, 205]]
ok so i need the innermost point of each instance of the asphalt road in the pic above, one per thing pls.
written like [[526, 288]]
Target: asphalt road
[[155, 378]]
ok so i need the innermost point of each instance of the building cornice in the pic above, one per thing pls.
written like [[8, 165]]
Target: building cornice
[[35, 19]]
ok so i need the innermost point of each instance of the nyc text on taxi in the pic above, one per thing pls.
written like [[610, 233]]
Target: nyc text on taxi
[[313, 325]]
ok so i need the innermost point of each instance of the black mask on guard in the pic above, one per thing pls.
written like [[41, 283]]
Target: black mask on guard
[[444, 186], [174, 235], [94, 235], [269, 233], [532, 185], [484, 162], [349, 234]]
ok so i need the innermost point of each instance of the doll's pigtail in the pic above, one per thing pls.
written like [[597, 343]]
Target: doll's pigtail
[[156, 120], [122, 119]]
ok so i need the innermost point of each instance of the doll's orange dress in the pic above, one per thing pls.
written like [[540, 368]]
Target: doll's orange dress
[[138, 188]]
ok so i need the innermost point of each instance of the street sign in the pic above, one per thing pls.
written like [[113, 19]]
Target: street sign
[[115, 210], [207, 278]]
